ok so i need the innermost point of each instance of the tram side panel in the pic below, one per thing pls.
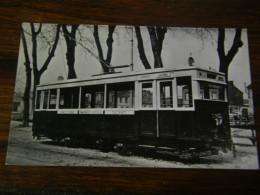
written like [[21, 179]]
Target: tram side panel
[[119, 127], [56, 126], [147, 128]]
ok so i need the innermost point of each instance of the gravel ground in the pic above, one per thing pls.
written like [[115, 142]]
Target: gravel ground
[[24, 150]]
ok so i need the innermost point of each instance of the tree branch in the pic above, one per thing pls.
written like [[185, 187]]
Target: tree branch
[[26, 54], [34, 50], [221, 39], [237, 43], [39, 29], [140, 47], [51, 55], [155, 47], [160, 31], [110, 41]]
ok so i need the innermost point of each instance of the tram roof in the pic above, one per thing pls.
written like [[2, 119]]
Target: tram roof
[[118, 75]]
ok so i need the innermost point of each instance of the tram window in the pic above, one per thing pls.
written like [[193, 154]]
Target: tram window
[[45, 99], [184, 92], [86, 101], [38, 100], [69, 97], [166, 94], [99, 99], [53, 98], [111, 99], [120, 95], [92, 97], [212, 91], [147, 95], [126, 97]]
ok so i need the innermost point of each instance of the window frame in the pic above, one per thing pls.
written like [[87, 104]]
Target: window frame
[[215, 85], [41, 100], [93, 93], [172, 80], [154, 99], [175, 95], [56, 100], [71, 99], [111, 88]]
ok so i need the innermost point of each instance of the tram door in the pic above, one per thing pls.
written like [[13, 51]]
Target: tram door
[[156, 119], [148, 113]]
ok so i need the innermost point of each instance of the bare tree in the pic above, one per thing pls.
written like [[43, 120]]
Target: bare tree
[[105, 63], [37, 73], [226, 59], [26, 95], [140, 47], [70, 38], [157, 35]]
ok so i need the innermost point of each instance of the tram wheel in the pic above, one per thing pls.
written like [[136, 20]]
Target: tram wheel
[[71, 142], [56, 139], [122, 149], [102, 145], [67, 141]]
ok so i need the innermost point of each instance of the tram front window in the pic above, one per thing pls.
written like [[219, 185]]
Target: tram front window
[[184, 92], [166, 94], [212, 91], [147, 95]]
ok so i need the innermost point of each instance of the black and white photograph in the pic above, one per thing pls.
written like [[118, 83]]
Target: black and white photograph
[[133, 96]]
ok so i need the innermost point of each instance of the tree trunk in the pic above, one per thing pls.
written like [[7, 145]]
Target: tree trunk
[[157, 37], [161, 31], [110, 41], [70, 38], [105, 64], [36, 81], [140, 47], [26, 95], [38, 73], [70, 55], [226, 59]]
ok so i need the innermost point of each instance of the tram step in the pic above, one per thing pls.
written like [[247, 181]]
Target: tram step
[[238, 144], [248, 137], [146, 146]]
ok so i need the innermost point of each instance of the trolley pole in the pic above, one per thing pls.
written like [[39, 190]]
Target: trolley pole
[[132, 51]]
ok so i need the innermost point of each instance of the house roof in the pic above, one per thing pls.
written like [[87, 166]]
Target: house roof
[[235, 96]]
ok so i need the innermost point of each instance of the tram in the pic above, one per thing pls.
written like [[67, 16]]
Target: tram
[[180, 111]]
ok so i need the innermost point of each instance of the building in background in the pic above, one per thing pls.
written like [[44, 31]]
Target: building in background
[[240, 109], [250, 103], [236, 104], [17, 110]]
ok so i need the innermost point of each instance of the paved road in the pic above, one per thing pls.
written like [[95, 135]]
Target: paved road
[[24, 150]]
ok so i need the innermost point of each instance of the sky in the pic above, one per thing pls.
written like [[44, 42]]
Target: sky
[[179, 44]]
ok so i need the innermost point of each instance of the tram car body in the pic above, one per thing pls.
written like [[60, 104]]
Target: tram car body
[[181, 111]]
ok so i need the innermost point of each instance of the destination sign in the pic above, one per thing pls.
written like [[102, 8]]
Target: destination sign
[[120, 112], [164, 75], [157, 76], [67, 111], [90, 111]]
